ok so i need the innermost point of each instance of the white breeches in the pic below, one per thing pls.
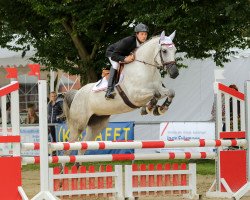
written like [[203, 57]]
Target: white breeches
[[114, 64]]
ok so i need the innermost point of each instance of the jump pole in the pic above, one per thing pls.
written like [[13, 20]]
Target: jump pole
[[44, 193], [219, 74], [100, 145], [123, 157]]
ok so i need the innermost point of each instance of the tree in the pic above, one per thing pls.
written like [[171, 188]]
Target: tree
[[73, 35]]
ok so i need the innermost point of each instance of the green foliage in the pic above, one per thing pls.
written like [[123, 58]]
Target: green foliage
[[73, 35]]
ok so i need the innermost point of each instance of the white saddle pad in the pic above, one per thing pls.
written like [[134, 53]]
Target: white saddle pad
[[100, 85], [103, 84]]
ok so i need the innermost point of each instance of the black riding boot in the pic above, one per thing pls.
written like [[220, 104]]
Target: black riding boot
[[110, 94]]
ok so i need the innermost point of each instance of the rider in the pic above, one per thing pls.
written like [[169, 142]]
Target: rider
[[121, 52]]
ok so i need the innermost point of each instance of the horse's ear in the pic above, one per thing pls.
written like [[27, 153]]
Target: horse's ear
[[162, 35], [172, 35]]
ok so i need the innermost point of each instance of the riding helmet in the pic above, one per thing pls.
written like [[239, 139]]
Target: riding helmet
[[141, 28]]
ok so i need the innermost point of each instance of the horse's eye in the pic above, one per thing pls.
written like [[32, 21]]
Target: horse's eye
[[164, 51]]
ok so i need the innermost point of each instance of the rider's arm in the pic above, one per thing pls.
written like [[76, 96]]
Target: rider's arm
[[123, 49], [130, 58]]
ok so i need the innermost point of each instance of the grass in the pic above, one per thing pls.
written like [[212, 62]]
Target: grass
[[203, 167]]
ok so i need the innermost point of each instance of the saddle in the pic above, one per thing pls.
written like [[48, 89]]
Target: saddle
[[102, 84]]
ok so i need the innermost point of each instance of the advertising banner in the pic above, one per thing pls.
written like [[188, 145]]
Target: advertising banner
[[114, 132], [187, 131]]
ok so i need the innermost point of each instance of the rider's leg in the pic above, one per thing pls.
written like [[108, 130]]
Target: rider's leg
[[110, 94]]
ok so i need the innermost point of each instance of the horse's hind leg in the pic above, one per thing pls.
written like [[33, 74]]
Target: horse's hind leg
[[75, 132], [95, 126]]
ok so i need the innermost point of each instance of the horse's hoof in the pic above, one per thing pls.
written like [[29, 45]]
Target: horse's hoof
[[159, 110], [149, 110], [162, 110], [156, 111], [143, 111], [61, 167], [77, 164]]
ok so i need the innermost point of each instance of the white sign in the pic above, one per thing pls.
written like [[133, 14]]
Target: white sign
[[6, 148], [187, 131], [28, 134]]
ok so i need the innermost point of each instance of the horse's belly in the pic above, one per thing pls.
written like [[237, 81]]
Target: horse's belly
[[110, 107]]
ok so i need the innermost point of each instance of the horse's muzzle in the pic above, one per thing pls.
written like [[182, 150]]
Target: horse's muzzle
[[172, 70]]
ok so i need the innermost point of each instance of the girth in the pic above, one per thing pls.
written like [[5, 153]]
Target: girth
[[125, 98]]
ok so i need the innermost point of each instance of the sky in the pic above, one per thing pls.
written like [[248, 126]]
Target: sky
[[5, 53]]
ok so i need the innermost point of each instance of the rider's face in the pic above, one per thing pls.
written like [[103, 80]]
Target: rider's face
[[142, 36]]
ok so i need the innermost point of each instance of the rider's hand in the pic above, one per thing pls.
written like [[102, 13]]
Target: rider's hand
[[130, 58]]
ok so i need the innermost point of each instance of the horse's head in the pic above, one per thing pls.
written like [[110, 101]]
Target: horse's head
[[166, 55]]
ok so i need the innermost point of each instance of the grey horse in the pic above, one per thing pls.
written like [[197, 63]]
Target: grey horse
[[142, 85]]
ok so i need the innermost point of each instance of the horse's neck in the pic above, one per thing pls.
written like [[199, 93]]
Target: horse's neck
[[147, 51], [138, 73]]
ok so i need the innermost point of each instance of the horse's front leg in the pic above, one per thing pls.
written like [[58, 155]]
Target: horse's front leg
[[160, 110], [142, 96], [165, 92], [149, 107]]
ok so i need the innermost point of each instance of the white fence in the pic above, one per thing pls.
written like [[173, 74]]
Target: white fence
[[137, 182]]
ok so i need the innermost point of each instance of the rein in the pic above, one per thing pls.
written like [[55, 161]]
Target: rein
[[161, 67], [146, 63]]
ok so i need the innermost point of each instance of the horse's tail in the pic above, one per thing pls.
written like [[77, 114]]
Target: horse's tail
[[68, 98]]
